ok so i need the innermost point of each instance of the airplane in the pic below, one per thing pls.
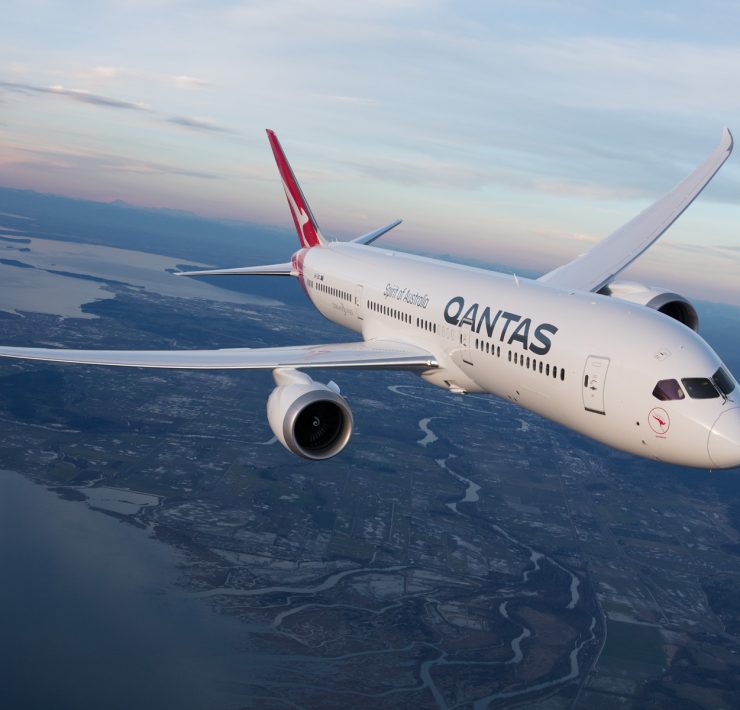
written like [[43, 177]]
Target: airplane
[[619, 362]]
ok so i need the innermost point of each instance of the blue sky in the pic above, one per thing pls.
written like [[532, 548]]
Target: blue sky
[[517, 131]]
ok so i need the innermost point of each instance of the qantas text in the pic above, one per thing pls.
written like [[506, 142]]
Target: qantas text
[[518, 329]]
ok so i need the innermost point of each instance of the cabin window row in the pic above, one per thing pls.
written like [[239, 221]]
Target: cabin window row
[[388, 311], [531, 363], [332, 291], [402, 316]]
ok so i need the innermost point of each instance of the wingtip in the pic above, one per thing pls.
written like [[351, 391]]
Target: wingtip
[[727, 139]]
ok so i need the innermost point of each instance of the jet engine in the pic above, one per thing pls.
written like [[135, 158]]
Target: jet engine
[[308, 418], [670, 304]]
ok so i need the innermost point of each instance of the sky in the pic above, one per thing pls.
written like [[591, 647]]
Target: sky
[[507, 131]]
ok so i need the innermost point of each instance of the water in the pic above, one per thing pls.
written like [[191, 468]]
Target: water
[[89, 616]]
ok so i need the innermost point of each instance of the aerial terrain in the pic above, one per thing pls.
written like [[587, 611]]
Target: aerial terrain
[[460, 553]]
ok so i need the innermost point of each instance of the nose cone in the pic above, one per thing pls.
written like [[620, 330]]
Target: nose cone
[[724, 440]]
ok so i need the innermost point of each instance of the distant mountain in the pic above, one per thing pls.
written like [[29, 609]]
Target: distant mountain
[[161, 231]]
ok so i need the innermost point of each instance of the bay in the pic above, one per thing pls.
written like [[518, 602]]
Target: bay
[[91, 617]]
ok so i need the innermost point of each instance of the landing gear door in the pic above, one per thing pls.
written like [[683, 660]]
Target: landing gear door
[[594, 381]]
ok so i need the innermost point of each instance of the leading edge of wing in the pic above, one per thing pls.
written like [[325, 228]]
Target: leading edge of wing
[[386, 354], [601, 264]]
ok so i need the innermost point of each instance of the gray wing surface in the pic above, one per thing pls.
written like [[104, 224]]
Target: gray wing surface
[[386, 354], [601, 264]]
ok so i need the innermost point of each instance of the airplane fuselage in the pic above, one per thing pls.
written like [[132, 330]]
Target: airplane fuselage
[[587, 361]]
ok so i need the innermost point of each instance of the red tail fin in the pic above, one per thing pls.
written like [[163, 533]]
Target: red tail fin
[[305, 224]]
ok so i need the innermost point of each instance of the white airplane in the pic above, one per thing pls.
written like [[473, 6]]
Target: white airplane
[[618, 362]]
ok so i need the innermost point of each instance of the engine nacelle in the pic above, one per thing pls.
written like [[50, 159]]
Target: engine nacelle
[[670, 304], [310, 419]]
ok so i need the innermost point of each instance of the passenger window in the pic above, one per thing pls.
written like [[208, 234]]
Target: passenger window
[[699, 388], [724, 381], [667, 390]]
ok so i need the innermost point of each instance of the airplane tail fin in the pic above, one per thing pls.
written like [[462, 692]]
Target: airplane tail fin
[[305, 224]]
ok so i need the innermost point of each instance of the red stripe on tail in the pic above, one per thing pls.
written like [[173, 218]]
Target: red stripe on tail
[[305, 224]]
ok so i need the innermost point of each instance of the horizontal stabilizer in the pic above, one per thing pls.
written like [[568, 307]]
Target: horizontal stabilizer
[[269, 270], [387, 354], [372, 236]]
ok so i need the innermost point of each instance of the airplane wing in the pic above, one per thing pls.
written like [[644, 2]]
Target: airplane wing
[[601, 264], [386, 354]]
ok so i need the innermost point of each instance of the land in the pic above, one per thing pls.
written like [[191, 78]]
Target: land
[[459, 553]]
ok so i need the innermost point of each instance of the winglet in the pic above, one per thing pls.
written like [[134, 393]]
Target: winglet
[[305, 224], [727, 141]]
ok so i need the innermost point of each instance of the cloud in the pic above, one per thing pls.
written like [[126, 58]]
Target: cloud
[[564, 234], [199, 124], [423, 171], [180, 81], [78, 95], [464, 176], [184, 81], [92, 161], [352, 100], [87, 97], [107, 72]]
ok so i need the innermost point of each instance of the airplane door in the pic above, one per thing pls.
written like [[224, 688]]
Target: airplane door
[[594, 380], [358, 302]]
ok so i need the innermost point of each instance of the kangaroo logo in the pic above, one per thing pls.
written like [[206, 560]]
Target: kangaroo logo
[[659, 420]]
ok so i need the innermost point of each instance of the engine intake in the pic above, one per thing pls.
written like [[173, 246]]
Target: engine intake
[[310, 419], [671, 304]]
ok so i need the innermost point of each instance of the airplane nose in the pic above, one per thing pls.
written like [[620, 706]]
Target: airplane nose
[[724, 440]]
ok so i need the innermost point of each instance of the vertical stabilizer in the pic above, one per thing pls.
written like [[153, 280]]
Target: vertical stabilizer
[[305, 224]]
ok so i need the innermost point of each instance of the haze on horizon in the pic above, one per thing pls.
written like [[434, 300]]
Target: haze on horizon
[[510, 132]]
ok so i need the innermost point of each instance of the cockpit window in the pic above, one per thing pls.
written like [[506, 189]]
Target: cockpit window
[[668, 389], [700, 388], [724, 381]]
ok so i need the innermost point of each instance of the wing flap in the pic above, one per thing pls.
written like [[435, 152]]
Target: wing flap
[[386, 354], [601, 264]]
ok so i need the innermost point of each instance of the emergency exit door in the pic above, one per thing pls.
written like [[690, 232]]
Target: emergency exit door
[[594, 380]]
